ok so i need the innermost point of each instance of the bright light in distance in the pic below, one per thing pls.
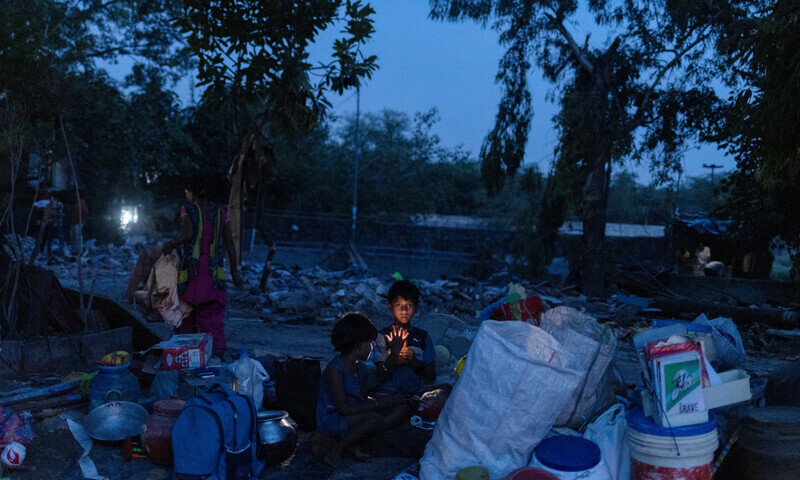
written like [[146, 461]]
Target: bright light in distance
[[127, 216]]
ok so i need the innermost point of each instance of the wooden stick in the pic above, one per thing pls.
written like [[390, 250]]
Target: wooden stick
[[784, 333], [41, 392], [52, 412], [51, 402]]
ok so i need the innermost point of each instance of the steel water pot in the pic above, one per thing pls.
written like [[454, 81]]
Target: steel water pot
[[278, 438]]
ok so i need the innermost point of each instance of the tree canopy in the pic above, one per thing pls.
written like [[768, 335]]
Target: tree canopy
[[760, 62], [762, 65], [255, 54], [639, 91]]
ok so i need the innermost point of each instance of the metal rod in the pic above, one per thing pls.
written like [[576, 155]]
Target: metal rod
[[357, 149]]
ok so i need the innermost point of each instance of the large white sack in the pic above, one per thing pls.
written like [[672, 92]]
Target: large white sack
[[515, 382], [594, 346]]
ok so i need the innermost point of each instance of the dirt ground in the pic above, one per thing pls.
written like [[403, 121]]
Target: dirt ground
[[54, 453]]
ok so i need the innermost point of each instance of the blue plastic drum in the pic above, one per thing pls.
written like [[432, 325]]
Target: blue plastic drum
[[113, 383]]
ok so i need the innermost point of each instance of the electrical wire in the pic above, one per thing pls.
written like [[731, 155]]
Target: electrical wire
[[418, 422]]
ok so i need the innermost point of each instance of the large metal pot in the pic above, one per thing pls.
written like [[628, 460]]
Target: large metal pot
[[114, 421], [278, 438]]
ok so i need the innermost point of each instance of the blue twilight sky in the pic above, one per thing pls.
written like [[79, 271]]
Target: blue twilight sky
[[451, 66], [426, 63]]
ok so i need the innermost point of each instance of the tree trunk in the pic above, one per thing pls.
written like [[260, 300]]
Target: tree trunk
[[254, 160], [593, 219]]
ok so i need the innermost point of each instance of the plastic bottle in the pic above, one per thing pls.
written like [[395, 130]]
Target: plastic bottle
[[243, 369], [251, 376]]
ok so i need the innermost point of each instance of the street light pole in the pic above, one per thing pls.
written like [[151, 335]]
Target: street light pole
[[712, 167], [357, 150]]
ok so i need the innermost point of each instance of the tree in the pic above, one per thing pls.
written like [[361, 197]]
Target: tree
[[400, 158], [253, 60], [49, 54], [255, 54], [760, 57], [632, 202], [639, 92]]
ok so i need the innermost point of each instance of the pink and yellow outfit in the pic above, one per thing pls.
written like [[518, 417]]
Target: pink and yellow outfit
[[201, 281]]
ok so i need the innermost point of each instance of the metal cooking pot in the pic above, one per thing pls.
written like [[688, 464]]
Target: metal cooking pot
[[278, 438], [114, 421]]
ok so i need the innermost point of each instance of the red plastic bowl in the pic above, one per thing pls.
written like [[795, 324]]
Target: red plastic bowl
[[530, 473]]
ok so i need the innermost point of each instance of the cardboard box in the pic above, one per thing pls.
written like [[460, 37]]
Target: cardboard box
[[735, 388], [679, 389], [185, 351]]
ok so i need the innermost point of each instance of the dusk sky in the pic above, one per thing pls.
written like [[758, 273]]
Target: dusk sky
[[451, 66], [426, 63]]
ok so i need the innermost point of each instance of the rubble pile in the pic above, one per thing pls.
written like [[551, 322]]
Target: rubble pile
[[314, 296], [300, 306], [295, 295]]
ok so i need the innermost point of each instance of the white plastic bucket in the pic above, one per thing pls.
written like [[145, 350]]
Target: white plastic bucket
[[598, 472], [661, 453], [570, 458]]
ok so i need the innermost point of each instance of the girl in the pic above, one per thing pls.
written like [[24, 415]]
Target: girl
[[204, 233], [343, 409]]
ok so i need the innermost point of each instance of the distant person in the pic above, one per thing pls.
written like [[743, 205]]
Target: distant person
[[683, 260], [205, 236], [40, 204], [343, 408], [43, 195], [80, 212], [55, 243], [715, 268], [404, 355], [684, 256], [702, 257]]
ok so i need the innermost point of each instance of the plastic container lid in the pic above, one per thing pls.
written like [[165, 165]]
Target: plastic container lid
[[567, 453], [113, 368], [775, 419], [476, 472], [638, 421], [169, 406], [690, 327]]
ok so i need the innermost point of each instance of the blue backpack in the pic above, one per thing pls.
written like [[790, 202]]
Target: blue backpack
[[215, 437]]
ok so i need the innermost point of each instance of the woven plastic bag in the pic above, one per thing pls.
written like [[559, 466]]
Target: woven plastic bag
[[515, 382], [593, 345], [727, 340]]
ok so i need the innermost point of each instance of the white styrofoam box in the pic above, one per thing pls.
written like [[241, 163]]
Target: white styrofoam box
[[735, 388]]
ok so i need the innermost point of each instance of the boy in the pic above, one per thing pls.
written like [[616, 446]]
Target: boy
[[404, 355]]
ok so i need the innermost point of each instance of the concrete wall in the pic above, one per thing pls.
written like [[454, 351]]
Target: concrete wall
[[427, 252], [61, 353]]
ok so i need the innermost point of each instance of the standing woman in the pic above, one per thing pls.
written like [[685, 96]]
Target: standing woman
[[201, 280]]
